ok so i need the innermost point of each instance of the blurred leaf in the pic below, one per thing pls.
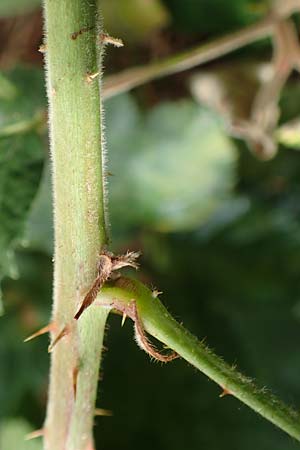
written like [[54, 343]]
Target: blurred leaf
[[289, 101], [173, 168], [133, 20], [39, 227], [23, 376], [211, 16], [8, 90], [240, 93], [12, 436], [21, 159], [229, 89], [14, 7], [289, 134], [228, 213], [176, 164], [23, 101]]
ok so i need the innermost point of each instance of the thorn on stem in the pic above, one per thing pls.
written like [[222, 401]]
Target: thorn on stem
[[34, 434], [107, 264], [130, 310], [224, 393], [107, 39], [90, 77], [42, 48], [156, 293], [103, 412], [48, 328], [123, 319], [64, 332]]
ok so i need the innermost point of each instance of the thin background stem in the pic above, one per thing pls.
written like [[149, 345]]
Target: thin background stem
[[203, 53]]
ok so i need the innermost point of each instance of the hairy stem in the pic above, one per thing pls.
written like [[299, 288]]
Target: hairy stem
[[159, 323], [73, 54], [203, 53]]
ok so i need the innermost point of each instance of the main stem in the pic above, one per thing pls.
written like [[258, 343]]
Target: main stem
[[73, 53]]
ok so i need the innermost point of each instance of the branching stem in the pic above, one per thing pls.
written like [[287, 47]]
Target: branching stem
[[73, 60], [159, 323]]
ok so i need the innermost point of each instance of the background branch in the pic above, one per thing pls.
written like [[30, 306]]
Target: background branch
[[136, 76]]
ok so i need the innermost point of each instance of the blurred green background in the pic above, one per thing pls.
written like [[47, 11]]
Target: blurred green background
[[219, 231]]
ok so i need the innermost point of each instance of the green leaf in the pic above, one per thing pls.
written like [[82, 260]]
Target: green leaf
[[8, 90], [22, 374], [133, 20], [39, 227], [211, 16], [13, 433], [23, 105], [288, 134], [176, 163], [21, 157], [20, 169]]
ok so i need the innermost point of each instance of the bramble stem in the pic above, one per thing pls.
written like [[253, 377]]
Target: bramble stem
[[73, 61], [73, 54], [159, 323]]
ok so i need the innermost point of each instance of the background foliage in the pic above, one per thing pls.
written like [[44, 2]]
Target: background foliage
[[219, 232]]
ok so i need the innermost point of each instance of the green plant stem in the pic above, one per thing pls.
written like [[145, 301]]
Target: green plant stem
[[160, 324], [204, 53], [79, 215]]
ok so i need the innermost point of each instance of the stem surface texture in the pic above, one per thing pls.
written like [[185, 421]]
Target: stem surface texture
[[73, 54]]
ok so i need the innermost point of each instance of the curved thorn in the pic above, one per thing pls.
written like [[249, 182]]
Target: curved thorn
[[145, 344]]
